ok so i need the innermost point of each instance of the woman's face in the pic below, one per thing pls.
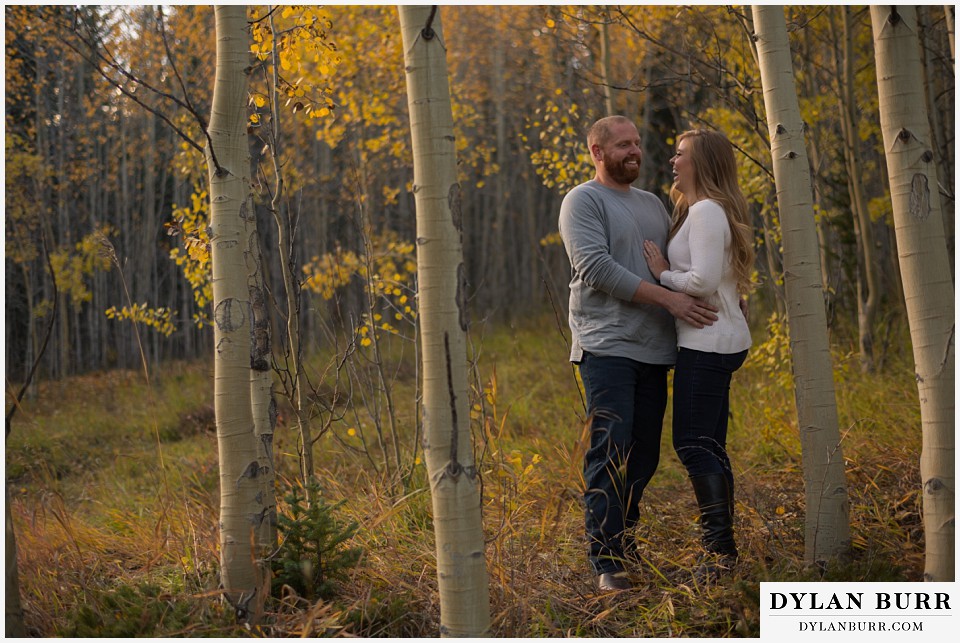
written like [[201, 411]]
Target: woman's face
[[684, 174]]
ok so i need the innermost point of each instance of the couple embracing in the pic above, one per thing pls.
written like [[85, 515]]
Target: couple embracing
[[649, 292]]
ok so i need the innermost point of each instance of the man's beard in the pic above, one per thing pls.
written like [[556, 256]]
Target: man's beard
[[622, 174]]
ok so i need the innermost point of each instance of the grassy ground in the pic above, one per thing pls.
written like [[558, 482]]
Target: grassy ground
[[113, 489]]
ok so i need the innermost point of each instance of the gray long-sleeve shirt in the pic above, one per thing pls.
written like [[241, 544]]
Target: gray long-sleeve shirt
[[603, 230]]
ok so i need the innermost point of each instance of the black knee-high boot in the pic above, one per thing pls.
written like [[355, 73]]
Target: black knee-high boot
[[716, 521]]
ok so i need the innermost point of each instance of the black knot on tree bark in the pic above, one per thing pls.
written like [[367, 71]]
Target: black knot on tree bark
[[428, 32]]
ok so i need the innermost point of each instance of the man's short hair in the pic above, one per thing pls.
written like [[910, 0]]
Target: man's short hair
[[599, 132]]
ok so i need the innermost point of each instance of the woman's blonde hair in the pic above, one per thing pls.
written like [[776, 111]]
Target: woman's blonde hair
[[715, 177]]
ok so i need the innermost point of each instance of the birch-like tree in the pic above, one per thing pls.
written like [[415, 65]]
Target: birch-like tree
[[827, 528], [868, 268], [924, 268], [454, 478], [231, 205]]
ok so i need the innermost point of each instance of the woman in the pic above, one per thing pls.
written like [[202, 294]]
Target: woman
[[710, 251]]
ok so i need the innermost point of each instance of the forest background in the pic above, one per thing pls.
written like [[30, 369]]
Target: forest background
[[111, 465]]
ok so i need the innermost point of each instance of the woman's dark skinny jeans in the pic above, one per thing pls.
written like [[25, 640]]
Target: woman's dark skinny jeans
[[701, 407], [626, 400]]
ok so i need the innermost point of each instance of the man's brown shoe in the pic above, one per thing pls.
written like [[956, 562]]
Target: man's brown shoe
[[614, 582]]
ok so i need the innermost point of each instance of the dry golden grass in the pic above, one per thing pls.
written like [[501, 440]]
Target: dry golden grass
[[106, 534]]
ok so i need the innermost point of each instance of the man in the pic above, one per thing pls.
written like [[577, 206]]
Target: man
[[624, 337]]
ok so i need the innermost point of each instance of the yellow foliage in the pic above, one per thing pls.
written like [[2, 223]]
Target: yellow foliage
[[25, 174], [156, 318], [552, 239], [562, 159], [391, 285], [190, 225], [297, 36], [773, 355], [71, 269]]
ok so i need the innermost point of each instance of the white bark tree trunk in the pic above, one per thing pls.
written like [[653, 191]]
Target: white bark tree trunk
[[827, 530], [924, 268], [868, 296], [262, 402], [454, 479], [228, 165]]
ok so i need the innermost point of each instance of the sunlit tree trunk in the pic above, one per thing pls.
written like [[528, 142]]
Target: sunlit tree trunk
[[827, 531], [228, 163], [609, 98], [454, 479], [924, 267]]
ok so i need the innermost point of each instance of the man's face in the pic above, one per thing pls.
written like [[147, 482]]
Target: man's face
[[621, 156]]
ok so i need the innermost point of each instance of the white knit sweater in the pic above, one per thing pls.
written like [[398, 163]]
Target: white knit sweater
[[701, 266]]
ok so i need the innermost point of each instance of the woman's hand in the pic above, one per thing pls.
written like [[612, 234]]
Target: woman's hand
[[655, 259]]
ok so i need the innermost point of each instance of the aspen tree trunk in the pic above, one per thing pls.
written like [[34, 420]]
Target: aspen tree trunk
[[646, 117], [495, 259], [262, 403], [827, 531], [609, 97], [454, 479], [810, 87], [291, 289], [949, 11], [228, 165], [868, 295], [924, 267]]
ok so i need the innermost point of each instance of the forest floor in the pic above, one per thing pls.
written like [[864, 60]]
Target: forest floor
[[113, 487]]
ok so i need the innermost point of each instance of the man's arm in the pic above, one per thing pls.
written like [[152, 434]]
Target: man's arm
[[588, 249], [693, 311]]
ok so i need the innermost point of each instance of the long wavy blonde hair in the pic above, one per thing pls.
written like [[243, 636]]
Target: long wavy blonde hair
[[715, 177]]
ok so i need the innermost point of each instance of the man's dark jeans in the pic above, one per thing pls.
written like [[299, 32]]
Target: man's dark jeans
[[626, 400], [701, 406]]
